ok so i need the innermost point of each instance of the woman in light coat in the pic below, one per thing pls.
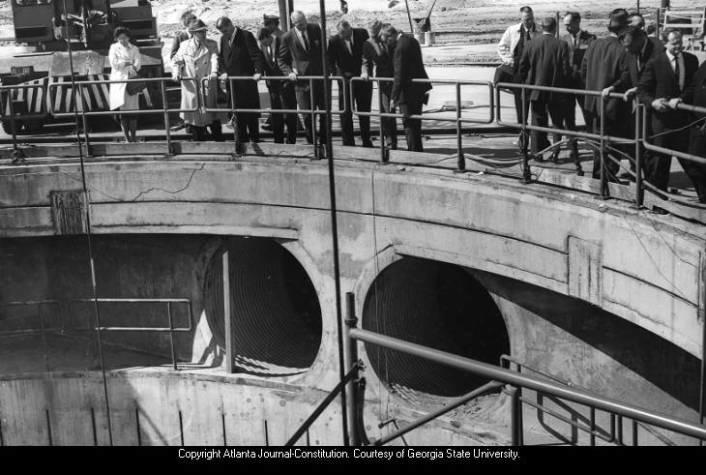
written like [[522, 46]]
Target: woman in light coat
[[125, 62], [197, 58]]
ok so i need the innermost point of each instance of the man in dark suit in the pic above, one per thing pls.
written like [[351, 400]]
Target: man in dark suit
[[410, 96], [377, 61], [578, 41], [300, 55], [697, 137], [545, 62], [605, 69], [281, 92], [345, 54], [239, 56], [667, 81]]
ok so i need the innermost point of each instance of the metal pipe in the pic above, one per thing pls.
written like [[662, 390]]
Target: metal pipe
[[351, 347], [330, 397], [84, 120], [702, 383], [171, 336], [453, 404], [510, 377], [384, 150], [230, 358], [167, 128], [526, 173], [634, 433], [459, 132], [409, 17], [639, 192], [137, 426], [515, 409], [314, 138], [334, 216], [603, 175], [234, 119], [592, 417], [89, 237]]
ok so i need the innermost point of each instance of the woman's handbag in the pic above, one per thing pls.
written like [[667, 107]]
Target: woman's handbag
[[135, 87]]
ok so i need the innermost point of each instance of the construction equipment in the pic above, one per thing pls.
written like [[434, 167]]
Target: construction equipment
[[52, 30]]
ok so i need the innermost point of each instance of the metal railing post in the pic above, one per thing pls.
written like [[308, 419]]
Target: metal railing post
[[314, 138], [17, 155], [351, 347], [384, 146], [593, 426], [171, 335], [234, 119], [459, 131], [603, 175], [526, 173], [639, 192], [515, 417], [165, 110], [227, 313], [84, 121]]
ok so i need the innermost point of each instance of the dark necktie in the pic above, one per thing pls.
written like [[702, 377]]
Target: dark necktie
[[306, 42], [676, 71]]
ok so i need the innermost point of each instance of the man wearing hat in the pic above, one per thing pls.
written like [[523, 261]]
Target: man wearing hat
[[605, 69]]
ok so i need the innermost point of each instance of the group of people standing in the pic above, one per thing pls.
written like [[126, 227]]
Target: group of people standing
[[628, 62], [284, 58]]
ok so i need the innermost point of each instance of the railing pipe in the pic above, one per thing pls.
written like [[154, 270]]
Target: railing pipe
[[450, 406], [330, 397], [510, 377], [459, 131]]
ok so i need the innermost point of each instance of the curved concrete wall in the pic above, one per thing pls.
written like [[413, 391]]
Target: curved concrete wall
[[646, 270]]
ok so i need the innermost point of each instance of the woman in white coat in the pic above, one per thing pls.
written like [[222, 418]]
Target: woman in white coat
[[196, 59], [125, 62]]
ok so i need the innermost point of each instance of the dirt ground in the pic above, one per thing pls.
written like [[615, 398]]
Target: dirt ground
[[482, 21]]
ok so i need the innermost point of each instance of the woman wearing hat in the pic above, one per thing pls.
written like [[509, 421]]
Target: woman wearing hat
[[125, 62], [197, 58]]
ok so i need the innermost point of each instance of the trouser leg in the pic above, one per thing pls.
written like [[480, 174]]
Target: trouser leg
[[540, 118], [412, 127], [289, 101], [363, 99], [217, 131], [389, 124], [276, 118], [347, 116], [304, 101], [697, 171]]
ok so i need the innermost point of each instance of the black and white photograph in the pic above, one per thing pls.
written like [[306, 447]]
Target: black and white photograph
[[352, 231]]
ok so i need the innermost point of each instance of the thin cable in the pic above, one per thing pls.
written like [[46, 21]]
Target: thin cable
[[88, 225], [334, 220]]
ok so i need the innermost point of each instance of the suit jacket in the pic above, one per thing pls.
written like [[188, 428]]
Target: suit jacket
[[408, 65], [378, 59], [545, 62], [637, 68], [241, 57], [343, 62], [697, 91], [658, 81], [293, 57], [605, 64], [270, 64], [577, 50]]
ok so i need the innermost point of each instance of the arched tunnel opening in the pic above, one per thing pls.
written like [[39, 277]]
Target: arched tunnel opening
[[275, 311], [437, 305]]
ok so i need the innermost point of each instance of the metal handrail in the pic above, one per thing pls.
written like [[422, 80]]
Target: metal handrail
[[523, 381], [459, 120], [171, 329]]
